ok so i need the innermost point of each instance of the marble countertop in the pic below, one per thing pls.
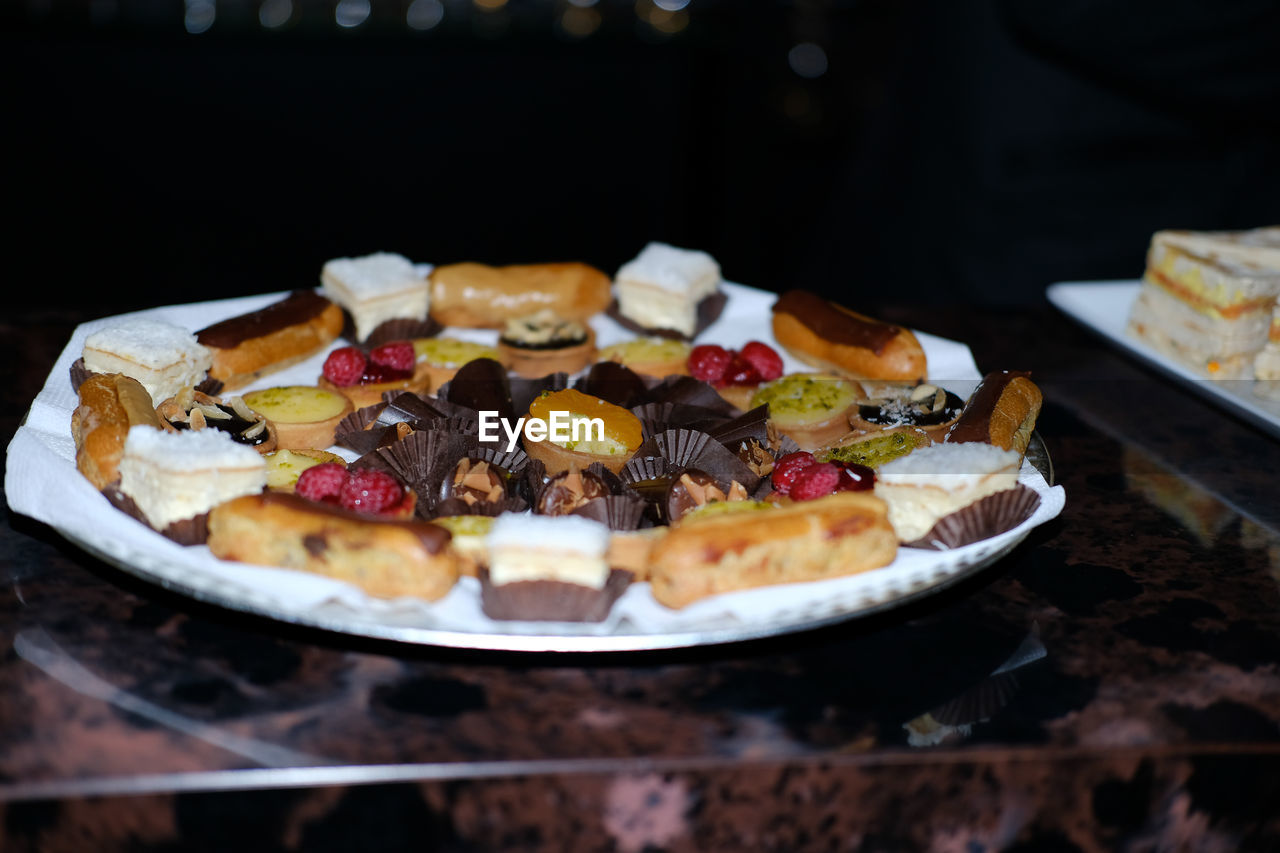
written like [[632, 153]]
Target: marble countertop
[[1113, 683]]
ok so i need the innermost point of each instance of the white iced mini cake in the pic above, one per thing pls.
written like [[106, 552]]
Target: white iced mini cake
[[662, 286], [164, 357], [936, 480], [176, 476], [376, 288], [569, 549]]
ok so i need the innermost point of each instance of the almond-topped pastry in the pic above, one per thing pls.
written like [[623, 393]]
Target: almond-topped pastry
[[592, 430], [192, 409], [812, 408], [304, 416], [925, 406], [542, 343]]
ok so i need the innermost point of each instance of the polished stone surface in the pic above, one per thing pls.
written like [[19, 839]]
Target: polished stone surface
[[1112, 684]]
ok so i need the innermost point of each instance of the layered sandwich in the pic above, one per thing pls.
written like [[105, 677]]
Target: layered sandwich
[[1207, 298]]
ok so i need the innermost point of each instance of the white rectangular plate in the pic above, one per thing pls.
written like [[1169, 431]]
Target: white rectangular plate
[[1103, 306]]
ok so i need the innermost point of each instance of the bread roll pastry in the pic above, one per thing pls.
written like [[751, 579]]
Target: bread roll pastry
[[247, 347], [385, 558], [110, 404], [841, 534], [829, 336], [1002, 411], [476, 295]]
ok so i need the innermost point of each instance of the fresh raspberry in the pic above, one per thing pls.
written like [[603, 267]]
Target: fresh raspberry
[[854, 477], [708, 362], [322, 482], [397, 355], [344, 366], [764, 359], [374, 373], [740, 372], [370, 491], [816, 481], [786, 469]]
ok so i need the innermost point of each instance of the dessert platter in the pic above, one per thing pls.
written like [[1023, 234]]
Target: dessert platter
[[1205, 313], [748, 479]]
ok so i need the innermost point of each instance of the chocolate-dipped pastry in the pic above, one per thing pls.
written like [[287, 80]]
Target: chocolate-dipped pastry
[[1002, 411], [569, 490], [613, 382], [690, 392], [694, 488], [482, 386], [524, 390]]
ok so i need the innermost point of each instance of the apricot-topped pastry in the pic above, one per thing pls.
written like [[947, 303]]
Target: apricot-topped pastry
[[581, 429]]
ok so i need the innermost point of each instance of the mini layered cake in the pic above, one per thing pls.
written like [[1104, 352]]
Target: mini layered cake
[[164, 357], [175, 478], [304, 417], [933, 482], [549, 568], [376, 289], [663, 288]]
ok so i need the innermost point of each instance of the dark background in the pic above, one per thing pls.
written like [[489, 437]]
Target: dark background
[[951, 151]]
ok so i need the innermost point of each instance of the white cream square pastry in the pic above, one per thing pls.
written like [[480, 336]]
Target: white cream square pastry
[[164, 357], [662, 286], [175, 476], [376, 288]]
